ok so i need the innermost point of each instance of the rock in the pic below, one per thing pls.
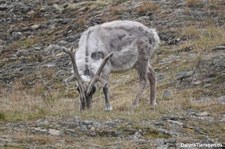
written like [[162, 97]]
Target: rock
[[54, 132], [35, 26], [197, 82], [43, 9], [92, 128], [83, 128], [176, 122], [171, 142], [167, 94], [183, 74], [137, 136], [202, 114], [111, 123], [31, 13], [17, 35], [38, 48], [39, 129], [221, 100], [57, 7], [4, 7], [87, 122], [42, 122]]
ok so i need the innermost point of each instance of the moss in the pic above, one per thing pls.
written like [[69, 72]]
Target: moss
[[2, 116]]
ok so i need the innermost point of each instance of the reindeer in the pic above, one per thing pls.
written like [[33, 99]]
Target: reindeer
[[113, 47]]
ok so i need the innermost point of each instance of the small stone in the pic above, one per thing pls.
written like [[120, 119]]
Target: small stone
[[92, 128], [203, 114], [4, 7], [196, 82], [42, 122], [31, 13], [83, 128], [54, 132], [137, 136], [87, 122], [38, 129], [222, 100], [57, 7], [89, 126], [42, 9], [37, 48], [36, 26], [167, 94], [183, 74], [176, 122], [17, 35]]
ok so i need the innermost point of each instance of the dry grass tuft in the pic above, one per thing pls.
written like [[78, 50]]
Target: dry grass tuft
[[203, 39], [117, 10], [191, 32], [193, 3], [146, 7]]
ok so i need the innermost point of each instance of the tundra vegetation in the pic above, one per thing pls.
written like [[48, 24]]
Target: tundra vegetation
[[38, 110]]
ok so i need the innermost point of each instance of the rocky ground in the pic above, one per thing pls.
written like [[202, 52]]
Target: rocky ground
[[37, 110]]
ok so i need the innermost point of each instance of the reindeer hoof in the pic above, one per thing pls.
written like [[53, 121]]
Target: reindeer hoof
[[153, 104], [108, 108]]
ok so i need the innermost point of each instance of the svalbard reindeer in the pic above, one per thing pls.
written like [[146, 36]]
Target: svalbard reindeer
[[113, 47]]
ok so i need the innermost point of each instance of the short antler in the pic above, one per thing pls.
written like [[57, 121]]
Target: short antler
[[97, 76]]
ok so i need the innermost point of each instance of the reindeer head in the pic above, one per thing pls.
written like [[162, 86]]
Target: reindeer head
[[86, 89]]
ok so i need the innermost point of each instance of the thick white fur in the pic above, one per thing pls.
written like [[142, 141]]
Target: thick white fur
[[105, 38]]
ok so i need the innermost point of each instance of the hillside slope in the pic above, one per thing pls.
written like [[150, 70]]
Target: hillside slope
[[37, 110]]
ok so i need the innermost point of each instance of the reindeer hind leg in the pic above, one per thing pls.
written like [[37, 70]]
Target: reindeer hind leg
[[141, 68], [153, 83]]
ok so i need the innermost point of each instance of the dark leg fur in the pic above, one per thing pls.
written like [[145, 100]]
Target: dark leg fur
[[108, 107]]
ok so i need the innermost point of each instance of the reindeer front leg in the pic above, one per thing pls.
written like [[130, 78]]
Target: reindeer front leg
[[108, 107], [104, 81]]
